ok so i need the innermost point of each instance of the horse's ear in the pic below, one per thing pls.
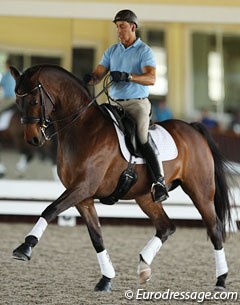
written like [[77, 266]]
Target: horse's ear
[[14, 71]]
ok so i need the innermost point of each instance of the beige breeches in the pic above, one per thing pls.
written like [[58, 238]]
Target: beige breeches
[[140, 111]]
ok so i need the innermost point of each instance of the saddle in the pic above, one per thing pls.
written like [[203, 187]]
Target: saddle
[[127, 125]]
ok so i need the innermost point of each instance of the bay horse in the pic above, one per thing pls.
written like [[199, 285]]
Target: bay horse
[[12, 136], [90, 164]]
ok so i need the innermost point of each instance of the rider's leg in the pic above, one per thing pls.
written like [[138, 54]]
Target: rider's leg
[[140, 110], [159, 190]]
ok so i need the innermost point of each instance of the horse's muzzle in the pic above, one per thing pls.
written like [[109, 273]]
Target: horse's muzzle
[[36, 141]]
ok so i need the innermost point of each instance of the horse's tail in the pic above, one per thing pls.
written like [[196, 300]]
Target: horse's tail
[[222, 196]]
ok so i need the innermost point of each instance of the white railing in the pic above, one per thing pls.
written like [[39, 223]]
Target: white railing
[[32, 197]]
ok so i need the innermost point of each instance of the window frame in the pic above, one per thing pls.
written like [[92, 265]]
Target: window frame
[[191, 111]]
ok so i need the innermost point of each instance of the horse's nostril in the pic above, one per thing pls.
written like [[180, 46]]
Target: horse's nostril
[[34, 141]]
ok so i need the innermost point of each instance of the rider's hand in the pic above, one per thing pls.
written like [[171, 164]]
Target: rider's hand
[[87, 78], [118, 76]]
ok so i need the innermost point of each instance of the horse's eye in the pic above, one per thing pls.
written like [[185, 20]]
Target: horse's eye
[[33, 103]]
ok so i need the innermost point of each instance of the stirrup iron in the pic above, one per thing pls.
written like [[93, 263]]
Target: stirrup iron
[[159, 191]]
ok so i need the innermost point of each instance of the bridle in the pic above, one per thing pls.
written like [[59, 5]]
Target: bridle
[[46, 122], [42, 120]]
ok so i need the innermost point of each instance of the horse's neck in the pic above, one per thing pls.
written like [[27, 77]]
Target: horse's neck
[[76, 119], [74, 114], [69, 95], [70, 102]]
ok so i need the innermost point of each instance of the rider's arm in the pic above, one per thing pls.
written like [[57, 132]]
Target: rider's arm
[[147, 78], [98, 74]]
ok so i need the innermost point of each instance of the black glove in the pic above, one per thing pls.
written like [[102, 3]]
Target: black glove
[[118, 76], [87, 78]]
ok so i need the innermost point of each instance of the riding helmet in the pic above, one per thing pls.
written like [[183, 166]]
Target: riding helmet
[[126, 15]]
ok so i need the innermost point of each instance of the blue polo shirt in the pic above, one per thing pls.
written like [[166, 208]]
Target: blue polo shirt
[[8, 84], [131, 60]]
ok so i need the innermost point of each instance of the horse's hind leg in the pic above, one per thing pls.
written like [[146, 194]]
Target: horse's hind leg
[[164, 228], [214, 229], [89, 214], [203, 198]]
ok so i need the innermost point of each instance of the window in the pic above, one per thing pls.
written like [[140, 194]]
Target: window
[[216, 71], [161, 85], [37, 60], [156, 40], [215, 74], [82, 61], [23, 61]]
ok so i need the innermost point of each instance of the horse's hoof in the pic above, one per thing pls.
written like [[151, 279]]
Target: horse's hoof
[[220, 288], [104, 284], [23, 252], [144, 276], [144, 272], [220, 285]]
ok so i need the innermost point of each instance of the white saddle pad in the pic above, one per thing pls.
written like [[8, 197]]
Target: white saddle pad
[[5, 118], [162, 138]]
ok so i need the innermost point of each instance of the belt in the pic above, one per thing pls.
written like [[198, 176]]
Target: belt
[[128, 99]]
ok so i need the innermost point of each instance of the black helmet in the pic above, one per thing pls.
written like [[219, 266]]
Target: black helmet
[[126, 15]]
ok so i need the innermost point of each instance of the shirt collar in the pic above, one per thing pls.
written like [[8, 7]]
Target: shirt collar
[[136, 42]]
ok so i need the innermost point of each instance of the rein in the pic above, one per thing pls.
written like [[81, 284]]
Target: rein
[[44, 122], [76, 114]]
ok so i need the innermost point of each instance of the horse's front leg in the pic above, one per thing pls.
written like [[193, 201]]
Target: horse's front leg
[[89, 214], [65, 201]]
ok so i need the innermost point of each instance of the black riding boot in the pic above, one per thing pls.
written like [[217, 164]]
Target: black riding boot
[[159, 191]]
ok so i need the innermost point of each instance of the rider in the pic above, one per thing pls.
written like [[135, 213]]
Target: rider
[[132, 68], [7, 83]]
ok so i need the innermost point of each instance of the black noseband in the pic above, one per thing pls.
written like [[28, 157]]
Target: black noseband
[[30, 120]]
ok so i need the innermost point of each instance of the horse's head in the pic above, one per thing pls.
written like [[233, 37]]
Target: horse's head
[[35, 104]]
